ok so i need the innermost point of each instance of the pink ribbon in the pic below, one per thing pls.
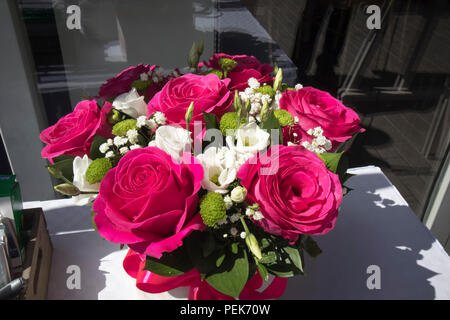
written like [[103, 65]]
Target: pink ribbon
[[198, 290]]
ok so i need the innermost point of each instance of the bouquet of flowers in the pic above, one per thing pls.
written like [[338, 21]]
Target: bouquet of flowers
[[215, 175]]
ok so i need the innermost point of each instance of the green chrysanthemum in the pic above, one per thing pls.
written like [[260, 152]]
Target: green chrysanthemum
[[121, 128], [229, 121], [212, 208], [97, 170], [227, 64], [284, 117], [217, 73], [266, 90]]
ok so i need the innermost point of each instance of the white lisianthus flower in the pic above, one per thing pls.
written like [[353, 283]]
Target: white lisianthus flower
[[220, 167], [173, 140], [131, 103], [250, 139], [238, 194], [80, 165]]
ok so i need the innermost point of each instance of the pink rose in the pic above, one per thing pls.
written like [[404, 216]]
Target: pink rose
[[301, 196], [248, 67], [149, 201], [122, 82], [72, 135], [209, 94], [316, 108]]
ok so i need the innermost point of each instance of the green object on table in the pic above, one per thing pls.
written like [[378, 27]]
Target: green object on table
[[10, 189]]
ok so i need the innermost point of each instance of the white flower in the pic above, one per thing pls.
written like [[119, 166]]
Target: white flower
[[109, 154], [151, 124], [132, 135], [298, 86], [228, 202], [243, 235], [159, 117], [258, 216], [135, 146], [131, 103], [80, 165], [173, 140], [233, 231], [144, 76], [109, 142], [235, 217], [141, 121], [250, 139], [104, 147], [238, 194], [152, 143], [296, 120], [318, 131], [249, 212], [220, 168], [120, 141], [253, 83], [123, 150]]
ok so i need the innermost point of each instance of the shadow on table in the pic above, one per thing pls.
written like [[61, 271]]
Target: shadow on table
[[76, 244], [370, 230]]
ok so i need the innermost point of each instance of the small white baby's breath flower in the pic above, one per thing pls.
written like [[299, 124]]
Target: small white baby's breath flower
[[110, 142], [135, 146], [235, 217], [243, 235], [258, 216], [298, 86], [120, 141], [160, 118], [151, 124], [144, 76], [228, 202], [123, 150], [141, 121], [132, 135], [318, 131], [233, 231], [310, 132], [253, 83], [249, 212], [104, 147], [109, 154]]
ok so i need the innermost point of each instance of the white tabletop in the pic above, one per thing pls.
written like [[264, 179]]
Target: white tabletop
[[375, 227]]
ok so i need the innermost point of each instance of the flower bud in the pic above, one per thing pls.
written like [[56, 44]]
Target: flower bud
[[188, 115], [67, 189], [238, 194], [253, 245], [114, 116]]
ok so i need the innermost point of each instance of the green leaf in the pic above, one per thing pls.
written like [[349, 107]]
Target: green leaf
[[262, 271], [220, 260], [346, 144], [93, 213], [210, 120], [95, 152], [63, 168], [311, 247], [331, 160], [231, 282], [171, 264], [268, 258], [294, 257]]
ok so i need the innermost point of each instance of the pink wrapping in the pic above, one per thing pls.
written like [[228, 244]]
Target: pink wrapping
[[199, 290]]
